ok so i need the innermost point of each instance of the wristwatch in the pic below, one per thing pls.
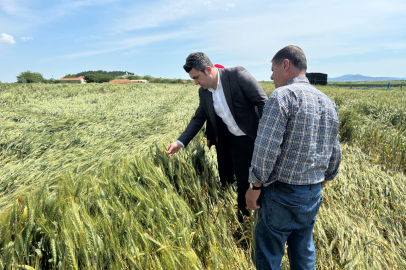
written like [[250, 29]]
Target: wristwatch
[[254, 187]]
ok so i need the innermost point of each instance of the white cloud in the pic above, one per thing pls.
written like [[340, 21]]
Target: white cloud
[[321, 34], [7, 39], [26, 38], [82, 3], [160, 14], [25, 14], [127, 44], [209, 5], [248, 34], [9, 6], [252, 33]]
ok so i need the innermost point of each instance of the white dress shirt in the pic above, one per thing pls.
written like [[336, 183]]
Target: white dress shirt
[[222, 110]]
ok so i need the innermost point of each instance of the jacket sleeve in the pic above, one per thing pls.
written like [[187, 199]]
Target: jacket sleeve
[[210, 133], [252, 89], [194, 125]]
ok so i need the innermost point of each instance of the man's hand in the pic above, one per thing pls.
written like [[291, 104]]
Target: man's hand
[[251, 198], [323, 184], [173, 148]]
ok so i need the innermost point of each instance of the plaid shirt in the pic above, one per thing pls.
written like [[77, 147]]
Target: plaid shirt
[[297, 140]]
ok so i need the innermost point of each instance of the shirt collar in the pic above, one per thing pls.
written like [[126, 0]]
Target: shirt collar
[[211, 89], [298, 80]]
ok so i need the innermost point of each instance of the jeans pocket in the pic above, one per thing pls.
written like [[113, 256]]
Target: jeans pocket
[[317, 207], [281, 216]]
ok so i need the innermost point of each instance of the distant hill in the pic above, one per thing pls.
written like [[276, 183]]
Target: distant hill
[[361, 78]]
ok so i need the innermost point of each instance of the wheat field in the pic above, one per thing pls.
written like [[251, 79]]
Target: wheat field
[[85, 182]]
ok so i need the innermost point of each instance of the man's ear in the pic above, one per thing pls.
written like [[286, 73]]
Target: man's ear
[[207, 70], [286, 64]]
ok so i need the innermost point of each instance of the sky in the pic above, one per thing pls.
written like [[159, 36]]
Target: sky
[[154, 37]]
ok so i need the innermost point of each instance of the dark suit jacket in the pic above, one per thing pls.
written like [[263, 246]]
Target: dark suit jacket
[[245, 98]]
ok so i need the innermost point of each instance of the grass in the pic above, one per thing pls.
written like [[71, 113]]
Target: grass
[[85, 183], [375, 121], [49, 129], [396, 83]]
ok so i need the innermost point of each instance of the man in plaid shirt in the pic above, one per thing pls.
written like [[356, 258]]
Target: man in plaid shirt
[[296, 152]]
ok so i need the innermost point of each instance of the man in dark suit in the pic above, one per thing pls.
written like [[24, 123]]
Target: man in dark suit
[[231, 100], [224, 162]]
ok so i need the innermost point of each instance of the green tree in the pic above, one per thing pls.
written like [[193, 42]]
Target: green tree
[[70, 76], [134, 77], [104, 78], [156, 80], [30, 77], [52, 80], [98, 78], [91, 78], [148, 77]]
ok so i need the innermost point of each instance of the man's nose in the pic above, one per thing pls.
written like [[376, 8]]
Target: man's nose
[[196, 82]]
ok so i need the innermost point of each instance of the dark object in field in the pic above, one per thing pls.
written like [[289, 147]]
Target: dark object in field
[[317, 78]]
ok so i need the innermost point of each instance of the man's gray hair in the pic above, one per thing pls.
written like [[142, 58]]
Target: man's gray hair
[[198, 61], [294, 54]]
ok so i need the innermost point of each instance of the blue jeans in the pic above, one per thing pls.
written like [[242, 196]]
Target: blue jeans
[[287, 214]]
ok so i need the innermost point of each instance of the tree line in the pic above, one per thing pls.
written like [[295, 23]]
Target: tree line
[[113, 74], [99, 76]]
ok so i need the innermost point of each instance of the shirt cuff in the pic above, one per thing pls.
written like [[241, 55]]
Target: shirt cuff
[[181, 143], [331, 176], [253, 179]]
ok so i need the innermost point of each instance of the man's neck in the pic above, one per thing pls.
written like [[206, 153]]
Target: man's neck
[[216, 78], [299, 74]]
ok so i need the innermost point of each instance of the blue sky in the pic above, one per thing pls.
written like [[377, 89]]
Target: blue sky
[[154, 37]]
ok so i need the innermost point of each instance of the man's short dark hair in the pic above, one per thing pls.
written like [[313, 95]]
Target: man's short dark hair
[[198, 61], [294, 54]]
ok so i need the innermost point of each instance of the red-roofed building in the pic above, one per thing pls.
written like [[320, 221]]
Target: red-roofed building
[[73, 80], [120, 81]]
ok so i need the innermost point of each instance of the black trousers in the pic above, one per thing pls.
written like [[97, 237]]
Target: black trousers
[[234, 154], [225, 166]]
